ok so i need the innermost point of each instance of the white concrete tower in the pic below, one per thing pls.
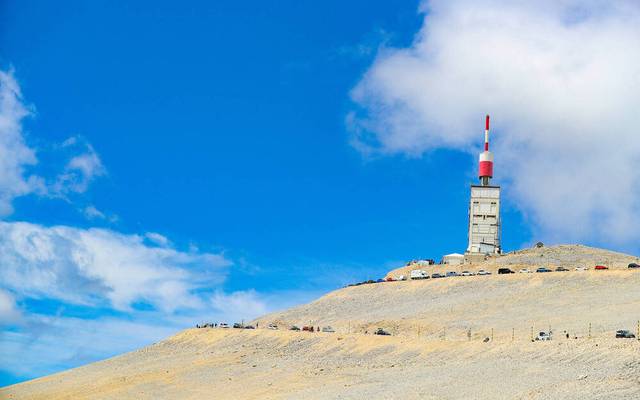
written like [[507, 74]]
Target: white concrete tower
[[484, 207]]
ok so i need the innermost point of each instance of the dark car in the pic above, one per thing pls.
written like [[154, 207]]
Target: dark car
[[561, 269], [380, 281], [382, 332], [505, 271], [600, 267], [294, 328], [624, 334], [634, 266], [437, 275], [238, 326], [543, 269], [452, 273], [249, 327]]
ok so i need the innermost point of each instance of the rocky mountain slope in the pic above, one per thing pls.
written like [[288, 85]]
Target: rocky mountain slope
[[452, 338]]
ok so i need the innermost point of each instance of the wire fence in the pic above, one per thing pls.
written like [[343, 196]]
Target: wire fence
[[522, 332]]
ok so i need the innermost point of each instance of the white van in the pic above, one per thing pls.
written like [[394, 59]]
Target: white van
[[418, 274]]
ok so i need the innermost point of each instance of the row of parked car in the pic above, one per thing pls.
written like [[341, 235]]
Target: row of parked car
[[420, 274], [620, 334], [306, 328]]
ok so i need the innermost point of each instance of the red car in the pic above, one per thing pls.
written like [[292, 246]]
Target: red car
[[600, 267]]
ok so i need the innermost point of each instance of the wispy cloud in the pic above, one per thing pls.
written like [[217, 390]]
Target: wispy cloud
[[80, 170], [18, 159], [9, 313], [562, 80], [15, 156]]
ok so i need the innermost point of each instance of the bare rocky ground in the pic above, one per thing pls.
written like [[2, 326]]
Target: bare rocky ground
[[429, 356]]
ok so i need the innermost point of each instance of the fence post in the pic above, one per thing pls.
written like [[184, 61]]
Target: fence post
[[469, 334], [589, 330], [532, 333], [492, 334], [513, 333]]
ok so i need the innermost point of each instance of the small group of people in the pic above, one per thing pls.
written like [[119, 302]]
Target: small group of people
[[207, 325]]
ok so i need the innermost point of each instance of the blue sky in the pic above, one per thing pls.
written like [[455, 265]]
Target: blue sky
[[219, 160]]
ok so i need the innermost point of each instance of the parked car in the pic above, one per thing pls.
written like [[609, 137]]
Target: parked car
[[389, 279], [483, 272], [624, 334], [382, 332], [524, 271], [401, 278], [223, 325], [543, 269], [467, 273], [379, 280], [237, 325], [543, 336], [562, 269], [328, 329], [418, 274], [294, 328], [249, 327], [437, 275], [634, 266], [307, 329], [600, 267], [504, 271], [581, 268], [273, 327], [451, 273]]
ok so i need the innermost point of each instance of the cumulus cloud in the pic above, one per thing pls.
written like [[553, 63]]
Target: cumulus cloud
[[101, 267], [560, 78]]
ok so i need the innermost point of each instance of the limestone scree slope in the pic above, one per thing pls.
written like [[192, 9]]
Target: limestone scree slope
[[452, 338]]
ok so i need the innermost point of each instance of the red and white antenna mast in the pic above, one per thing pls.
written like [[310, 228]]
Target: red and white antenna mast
[[486, 159]]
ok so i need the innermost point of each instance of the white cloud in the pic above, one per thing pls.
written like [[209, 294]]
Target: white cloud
[[9, 313], [158, 239], [560, 78], [91, 212], [103, 267], [80, 171], [15, 156]]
